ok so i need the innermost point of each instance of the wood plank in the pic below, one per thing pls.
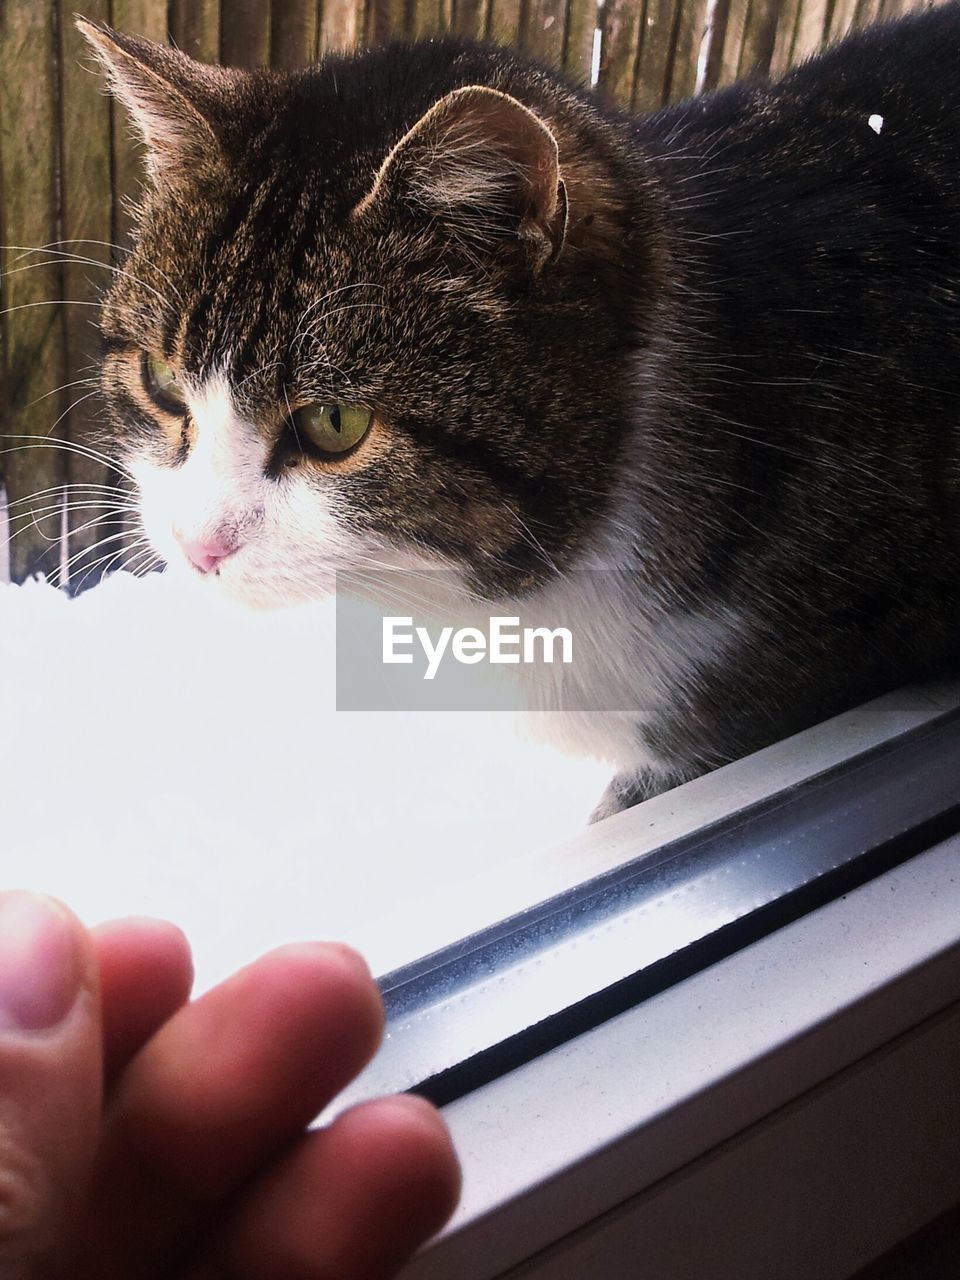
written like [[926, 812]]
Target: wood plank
[[470, 18], [245, 33], [691, 31], [713, 70], [385, 20], [733, 37], [504, 23], [786, 35], [33, 328], [582, 21], [86, 216], [542, 30], [623, 23], [840, 20], [868, 12], [759, 37], [811, 29], [429, 17], [143, 18], [195, 27], [293, 33], [342, 23], [652, 82]]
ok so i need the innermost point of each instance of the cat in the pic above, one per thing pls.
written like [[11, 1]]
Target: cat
[[693, 377]]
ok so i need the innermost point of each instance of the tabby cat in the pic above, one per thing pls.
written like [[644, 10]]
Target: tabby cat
[[429, 306]]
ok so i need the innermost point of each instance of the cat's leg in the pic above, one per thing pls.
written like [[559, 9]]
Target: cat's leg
[[627, 789]]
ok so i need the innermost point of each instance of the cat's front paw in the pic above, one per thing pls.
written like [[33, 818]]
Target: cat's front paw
[[627, 789]]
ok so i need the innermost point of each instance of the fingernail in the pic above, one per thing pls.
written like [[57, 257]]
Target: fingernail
[[350, 957], [40, 970]]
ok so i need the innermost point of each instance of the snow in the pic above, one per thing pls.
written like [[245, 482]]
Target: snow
[[165, 753]]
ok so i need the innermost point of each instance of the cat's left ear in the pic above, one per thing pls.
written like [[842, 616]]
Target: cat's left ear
[[173, 100], [487, 167]]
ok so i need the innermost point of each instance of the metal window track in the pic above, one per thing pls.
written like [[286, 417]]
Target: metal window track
[[501, 997]]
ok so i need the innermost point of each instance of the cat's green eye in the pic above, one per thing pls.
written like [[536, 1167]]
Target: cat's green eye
[[332, 428], [162, 385]]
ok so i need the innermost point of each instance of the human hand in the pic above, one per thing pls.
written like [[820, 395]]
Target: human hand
[[142, 1136]]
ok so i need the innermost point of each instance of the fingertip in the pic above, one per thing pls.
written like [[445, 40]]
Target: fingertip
[[330, 956], [160, 937], [147, 924], [45, 962], [355, 1199], [271, 1045], [407, 1133], [427, 1129], [349, 957], [359, 976], [50, 1074], [146, 975], [337, 977], [141, 956]]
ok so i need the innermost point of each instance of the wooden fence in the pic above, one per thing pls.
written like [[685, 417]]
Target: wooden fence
[[66, 158]]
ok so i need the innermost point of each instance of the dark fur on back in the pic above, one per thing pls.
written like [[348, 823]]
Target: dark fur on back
[[738, 380], [818, 443]]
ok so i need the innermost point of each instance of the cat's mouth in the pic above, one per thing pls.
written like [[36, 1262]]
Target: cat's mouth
[[249, 574], [206, 556]]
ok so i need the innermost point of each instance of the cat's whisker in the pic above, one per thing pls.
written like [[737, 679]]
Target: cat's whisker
[[530, 537], [61, 511], [77, 487], [48, 302], [54, 245], [257, 373], [151, 563], [105, 564], [393, 599], [328, 365], [291, 419], [102, 563], [78, 382], [62, 576], [68, 563], [301, 334], [331, 293], [101, 521], [70, 446], [70, 408], [66, 446], [388, 584], [388, 579], [57, 256], [59, 502]]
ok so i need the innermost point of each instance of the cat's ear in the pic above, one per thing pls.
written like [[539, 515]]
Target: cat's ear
[[172, 100], [486, 166]]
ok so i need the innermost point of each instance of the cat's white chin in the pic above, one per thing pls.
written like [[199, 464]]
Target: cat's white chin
[[270, 589], [256, 588]]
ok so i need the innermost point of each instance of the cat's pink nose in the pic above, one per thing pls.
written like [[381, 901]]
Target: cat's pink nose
[[206, 556]]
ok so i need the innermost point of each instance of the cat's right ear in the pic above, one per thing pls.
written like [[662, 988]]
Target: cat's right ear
[[173, 100], [487, 168]]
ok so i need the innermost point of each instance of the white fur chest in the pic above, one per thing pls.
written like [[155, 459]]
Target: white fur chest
[[629, 667]]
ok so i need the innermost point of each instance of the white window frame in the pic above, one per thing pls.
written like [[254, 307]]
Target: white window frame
[[788, 1114], [790, 1111]]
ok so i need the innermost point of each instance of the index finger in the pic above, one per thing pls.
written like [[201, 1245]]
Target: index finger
[[225, 1085]]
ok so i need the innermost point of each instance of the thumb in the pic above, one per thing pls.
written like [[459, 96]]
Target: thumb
[[50, 1081]]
